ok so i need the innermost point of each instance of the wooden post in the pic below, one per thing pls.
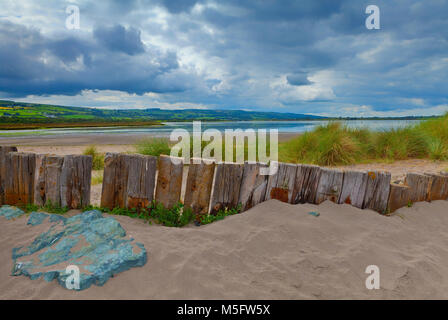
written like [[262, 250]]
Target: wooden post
[[306, 182], [330, 185], [399, 197], [169, 181], [253, 185], [226, 188], [354, 188], [420, 185], [199, 186], [53, 168], [377, 192], [281, 184], [439, 187], [4, 150], [19, 182], [112, 184], [39, 180], [141, 180], [76, 175], [62, 181]]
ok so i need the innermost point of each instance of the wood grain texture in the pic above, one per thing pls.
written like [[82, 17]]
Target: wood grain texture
[[141, 180], [399, 197], [169, 181], [111, 184], [354, 188], [199, 186], [128, 180], [377, 192], [4, 150], [420, 186], [19, 182], [227, 184], [281, 184], [439, 187], [330, 185], [39, 180], [53, 169], [305, 184], [253, 185], [75, 182]]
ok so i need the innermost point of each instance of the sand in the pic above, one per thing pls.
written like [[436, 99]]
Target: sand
[[273, 251], [95, 139]]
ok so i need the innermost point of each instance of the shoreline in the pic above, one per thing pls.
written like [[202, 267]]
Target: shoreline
[[97, 139]]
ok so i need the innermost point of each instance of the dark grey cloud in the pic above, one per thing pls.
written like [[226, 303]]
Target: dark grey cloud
[[298, 79], [118, 38], [304, 56], [38, 65]]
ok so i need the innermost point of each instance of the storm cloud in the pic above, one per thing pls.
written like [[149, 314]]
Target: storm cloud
[[296, 56]]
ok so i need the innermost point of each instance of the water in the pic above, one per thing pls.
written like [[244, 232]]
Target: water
[[164, 131]]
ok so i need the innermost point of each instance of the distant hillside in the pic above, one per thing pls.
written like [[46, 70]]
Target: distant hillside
[[20, 115]]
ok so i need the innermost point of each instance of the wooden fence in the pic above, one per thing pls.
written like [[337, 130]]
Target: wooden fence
[[134, 181], [58, 181], [213, 186]]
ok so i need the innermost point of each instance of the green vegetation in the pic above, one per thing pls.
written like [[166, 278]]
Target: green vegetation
[[153, 146], [97, 158], [221, 214], [336, 144], [19, 115], [47, 208], [177, 216]]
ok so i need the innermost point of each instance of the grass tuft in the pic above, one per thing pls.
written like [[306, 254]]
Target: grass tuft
[[153, 146], [97, 157]]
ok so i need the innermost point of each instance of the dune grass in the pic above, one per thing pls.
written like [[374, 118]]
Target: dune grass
[[336, 144], [97, 157], [153, 146]]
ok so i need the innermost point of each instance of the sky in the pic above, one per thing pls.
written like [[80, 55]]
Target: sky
[[303, 56]]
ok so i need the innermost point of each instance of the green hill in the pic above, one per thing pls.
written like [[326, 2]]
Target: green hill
[[31, 115]]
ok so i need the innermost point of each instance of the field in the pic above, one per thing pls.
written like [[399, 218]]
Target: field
[[18, 115]]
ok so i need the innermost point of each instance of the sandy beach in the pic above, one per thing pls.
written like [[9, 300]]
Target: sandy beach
[[273, 251]]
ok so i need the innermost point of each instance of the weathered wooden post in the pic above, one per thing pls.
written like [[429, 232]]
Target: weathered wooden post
[[76, 176], [281, 184], [253, 185], [62, 181], [226, 188], [399, 197], [169, 181], [439, 187], [377, 192], [113, 182], [19, 182], [330, 185], [141, 180], [420, 185], [354, 188], [53, 168], [306, 182], [199, 185], [4, 150], [128, 181]]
